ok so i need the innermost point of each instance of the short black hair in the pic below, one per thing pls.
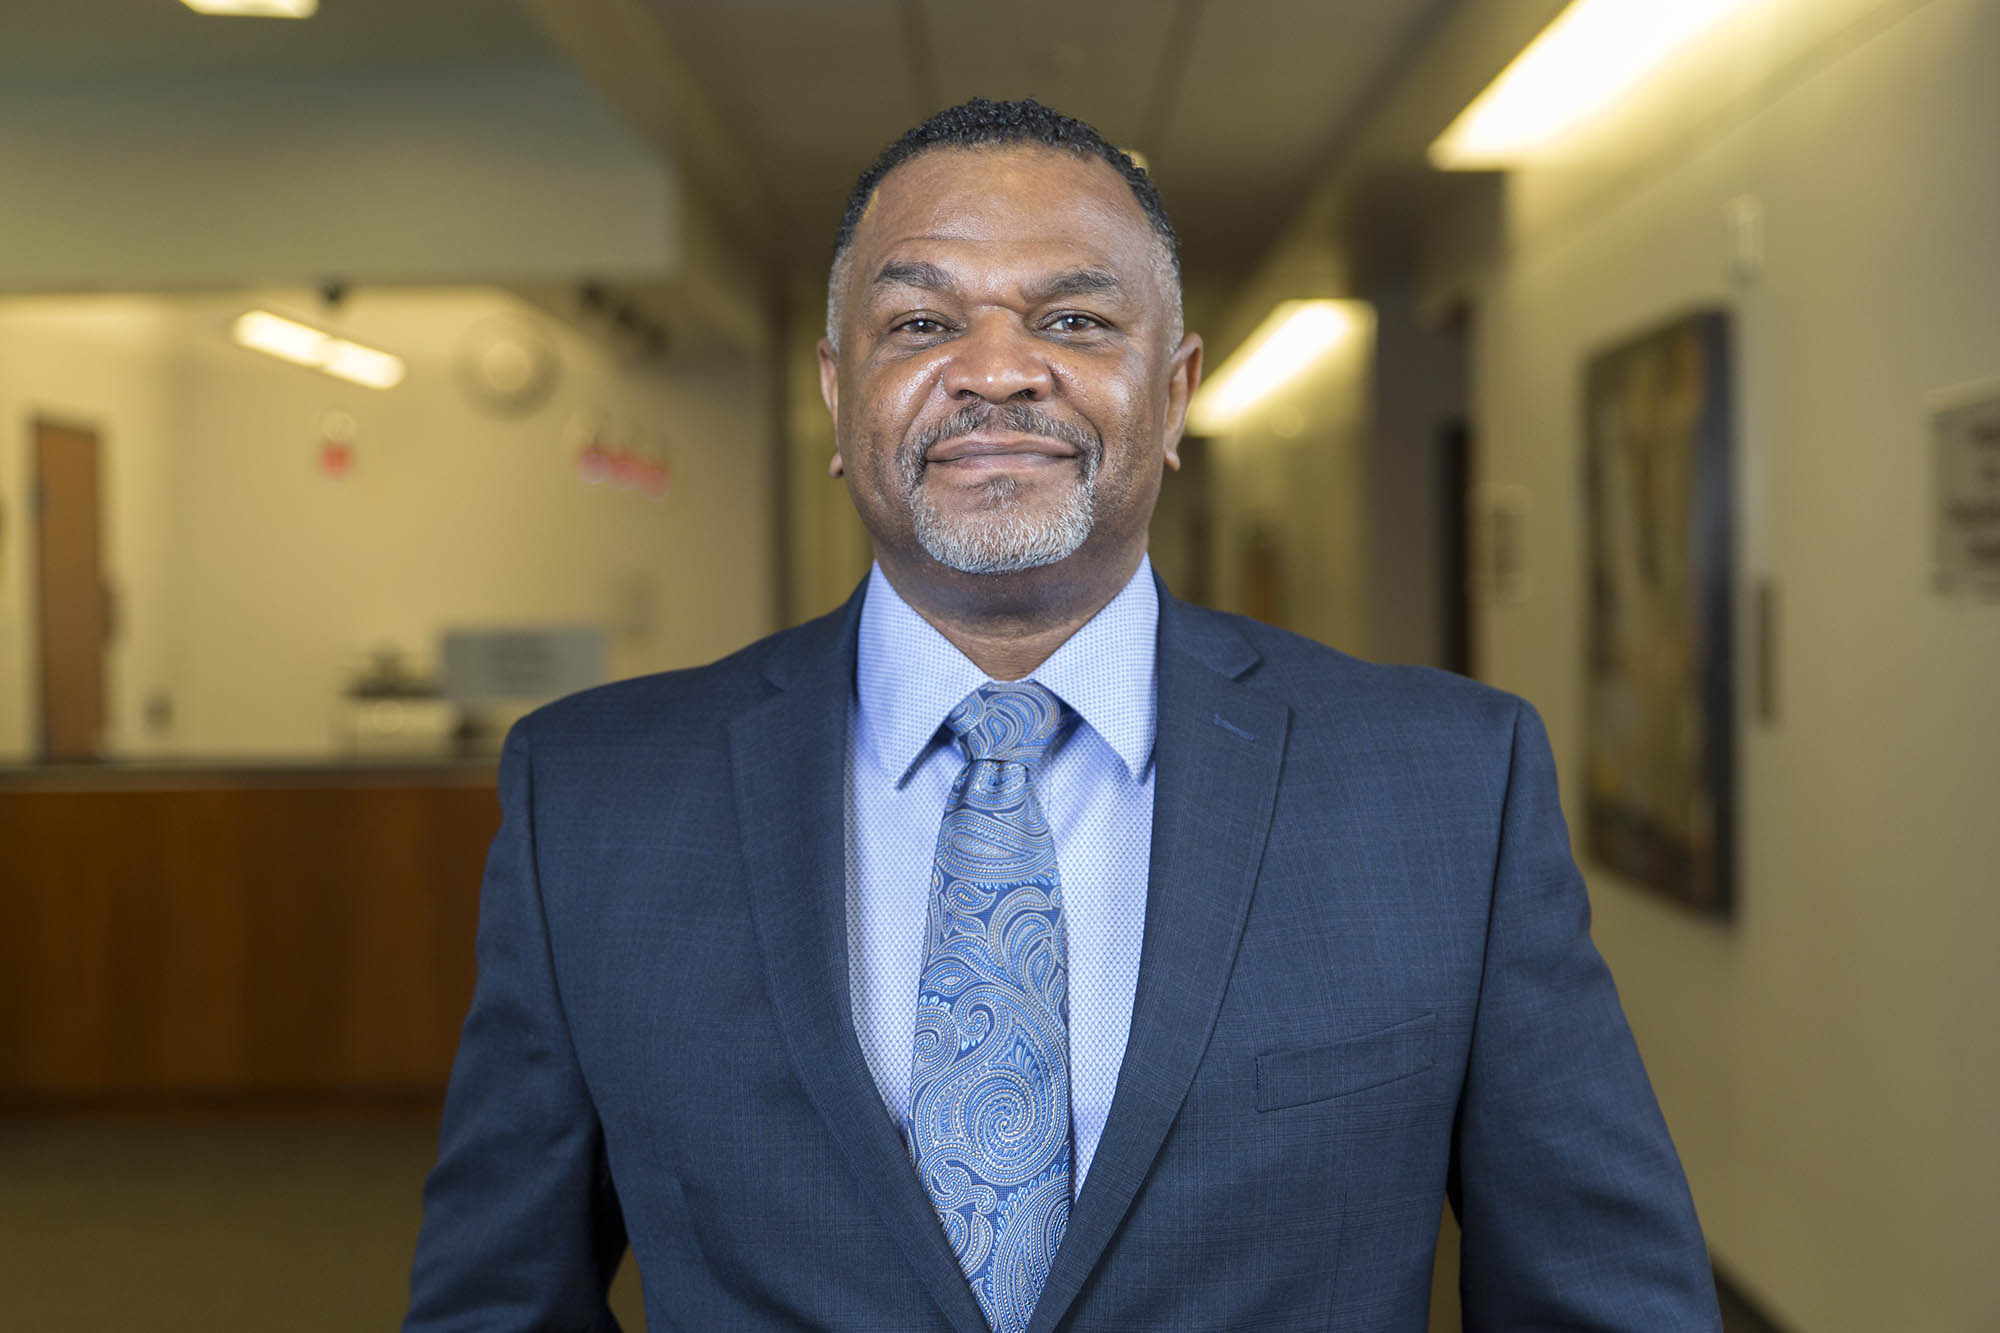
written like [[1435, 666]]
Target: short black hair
[[980, 123]]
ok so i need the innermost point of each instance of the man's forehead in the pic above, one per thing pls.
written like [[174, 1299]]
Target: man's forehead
[[950, 263], [1011, 195]]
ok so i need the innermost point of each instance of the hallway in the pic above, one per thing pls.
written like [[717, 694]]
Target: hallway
[[216, 1227]]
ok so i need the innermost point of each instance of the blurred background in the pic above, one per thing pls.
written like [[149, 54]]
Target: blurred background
[[369, 377]]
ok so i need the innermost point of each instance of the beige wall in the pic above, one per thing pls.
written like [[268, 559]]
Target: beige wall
[[1286, 489], [1830, 1062], [828, 549], [149, 182], [252, 584], [1337, 471]]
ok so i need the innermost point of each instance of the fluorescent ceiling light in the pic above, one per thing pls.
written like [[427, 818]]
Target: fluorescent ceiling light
[[256, 9], [1293, 336], [262, 331], [303, 345], [1593, 52], [364, 365]]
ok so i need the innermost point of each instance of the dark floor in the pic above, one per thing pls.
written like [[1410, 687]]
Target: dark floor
[[278, 1228], [210, 1229]]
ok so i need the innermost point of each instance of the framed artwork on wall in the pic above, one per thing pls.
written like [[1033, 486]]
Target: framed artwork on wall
[[1659, 714]]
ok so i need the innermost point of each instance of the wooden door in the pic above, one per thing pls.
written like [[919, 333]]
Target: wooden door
[[71, 592]]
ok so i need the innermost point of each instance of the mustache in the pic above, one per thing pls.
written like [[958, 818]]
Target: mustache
[[1015, 418]]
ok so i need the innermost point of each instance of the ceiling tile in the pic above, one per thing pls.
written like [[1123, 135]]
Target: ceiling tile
[[1099, 62], [1270, 87], [56, 37], [814, 89]]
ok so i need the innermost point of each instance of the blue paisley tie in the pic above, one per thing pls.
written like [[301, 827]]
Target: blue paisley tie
[[989, 1093]]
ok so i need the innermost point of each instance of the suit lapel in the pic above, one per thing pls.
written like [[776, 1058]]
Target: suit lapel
[[1217, 758], [788, 756]]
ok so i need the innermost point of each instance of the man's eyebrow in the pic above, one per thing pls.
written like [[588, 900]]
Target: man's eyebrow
[[1075, 282], [915, 273]]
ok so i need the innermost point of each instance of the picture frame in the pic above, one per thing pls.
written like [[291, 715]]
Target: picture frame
[[1659, 458]]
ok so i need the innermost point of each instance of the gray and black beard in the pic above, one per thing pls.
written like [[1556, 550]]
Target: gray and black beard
[[1000, 538]]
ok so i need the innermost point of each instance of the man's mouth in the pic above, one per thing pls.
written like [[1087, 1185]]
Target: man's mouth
[[984, 449]]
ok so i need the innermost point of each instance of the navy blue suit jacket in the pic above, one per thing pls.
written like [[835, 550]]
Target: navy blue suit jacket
[[1366, 985]]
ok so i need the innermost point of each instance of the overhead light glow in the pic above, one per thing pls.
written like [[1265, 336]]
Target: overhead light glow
[[256, 9], [1292, 337], [303, 345], [364, 365], [1593, 52], [262, 331]]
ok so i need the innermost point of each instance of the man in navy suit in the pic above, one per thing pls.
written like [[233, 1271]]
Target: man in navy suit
[[1328, 960]]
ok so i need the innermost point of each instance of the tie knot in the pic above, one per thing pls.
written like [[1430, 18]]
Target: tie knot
[[1009, 720]]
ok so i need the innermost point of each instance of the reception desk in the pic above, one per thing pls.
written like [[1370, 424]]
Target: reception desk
[[255, 936]]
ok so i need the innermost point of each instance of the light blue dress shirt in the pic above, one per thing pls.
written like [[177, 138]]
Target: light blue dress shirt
[[1096, 790]]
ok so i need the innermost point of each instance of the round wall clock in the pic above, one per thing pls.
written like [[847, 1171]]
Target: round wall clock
[[506, 366]]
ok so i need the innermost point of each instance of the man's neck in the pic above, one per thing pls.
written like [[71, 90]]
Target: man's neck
[[1008, 624]]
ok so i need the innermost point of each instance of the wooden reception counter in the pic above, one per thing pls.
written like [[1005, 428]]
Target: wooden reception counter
[[243, 937]]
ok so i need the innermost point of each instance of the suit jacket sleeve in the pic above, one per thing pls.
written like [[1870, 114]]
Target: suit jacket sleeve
[[521, 1228], [1573, 1209]]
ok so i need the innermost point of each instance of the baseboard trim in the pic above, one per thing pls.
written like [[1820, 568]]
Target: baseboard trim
[[1740, 1314]]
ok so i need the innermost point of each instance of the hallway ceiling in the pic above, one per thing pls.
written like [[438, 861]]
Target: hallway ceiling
[[1237, 104], [55, 37]]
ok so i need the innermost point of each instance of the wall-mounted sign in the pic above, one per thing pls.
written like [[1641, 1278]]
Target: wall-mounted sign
[[1500, 542], [337, 432], [1965, 434], [622, 457]]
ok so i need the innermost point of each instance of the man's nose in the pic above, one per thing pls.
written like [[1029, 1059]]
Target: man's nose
[[998, 360]]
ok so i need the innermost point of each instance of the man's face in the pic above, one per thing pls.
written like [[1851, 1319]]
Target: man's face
[[1010, 380]]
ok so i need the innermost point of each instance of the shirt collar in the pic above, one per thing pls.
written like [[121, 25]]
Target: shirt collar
[[908, 677]]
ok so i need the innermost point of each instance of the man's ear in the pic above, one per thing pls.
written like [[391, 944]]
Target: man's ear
[[1183, 378], [829, 392]]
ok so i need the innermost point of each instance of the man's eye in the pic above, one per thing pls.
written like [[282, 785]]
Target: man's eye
[[921, 324], [1075, 323]]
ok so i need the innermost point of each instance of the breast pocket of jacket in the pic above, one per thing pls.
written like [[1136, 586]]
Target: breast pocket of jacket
[[1343, 1068]]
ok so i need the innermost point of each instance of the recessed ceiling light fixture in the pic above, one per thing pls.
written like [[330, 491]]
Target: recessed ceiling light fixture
[[1292, 337], [303, 345], [1591, 55], [255, 9]]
